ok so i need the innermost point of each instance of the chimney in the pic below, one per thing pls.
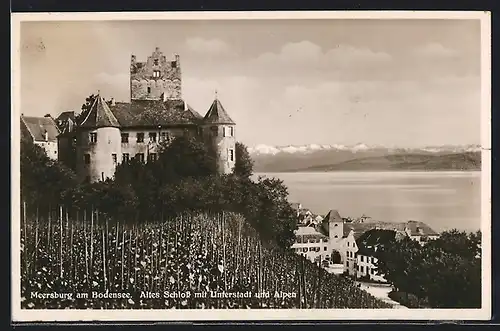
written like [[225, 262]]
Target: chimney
[[185, 106], [46, 136]]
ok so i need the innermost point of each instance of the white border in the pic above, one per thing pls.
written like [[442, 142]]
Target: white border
[[19, 315]]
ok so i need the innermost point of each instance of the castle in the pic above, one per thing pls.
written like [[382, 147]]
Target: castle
[[110, 132]]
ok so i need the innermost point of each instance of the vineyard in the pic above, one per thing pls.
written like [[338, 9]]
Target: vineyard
[[83, 252]]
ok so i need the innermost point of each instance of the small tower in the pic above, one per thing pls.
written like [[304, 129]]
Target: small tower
[[219, 131], [155, 78], [98, 143]]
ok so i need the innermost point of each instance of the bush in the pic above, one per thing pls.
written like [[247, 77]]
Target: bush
[[407, 299]]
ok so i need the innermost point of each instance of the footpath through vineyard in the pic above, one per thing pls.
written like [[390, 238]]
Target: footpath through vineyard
[[92, 258]]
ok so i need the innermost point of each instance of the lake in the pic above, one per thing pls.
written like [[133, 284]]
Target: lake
[[443, 200]]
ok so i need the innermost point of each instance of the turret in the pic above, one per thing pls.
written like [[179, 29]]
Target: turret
[[219, 131], [98, 142]]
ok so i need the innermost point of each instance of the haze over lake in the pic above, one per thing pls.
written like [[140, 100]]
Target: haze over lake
[[443, 200]]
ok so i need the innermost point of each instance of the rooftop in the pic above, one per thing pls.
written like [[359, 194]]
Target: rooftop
[[41, 128]]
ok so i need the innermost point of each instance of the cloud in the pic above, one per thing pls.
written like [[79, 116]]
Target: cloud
[[209, 46], [306, 53], [435, 50]]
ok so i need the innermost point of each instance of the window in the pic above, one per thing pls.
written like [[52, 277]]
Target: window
[[368, 259], [336, 236], [347, 264], [215, 131], [140, 157], [149, 89], [362, 260], [324, 248], [152, 137], [336, 224], [347, 244], [124, 138], [304, 249], [228, 131], [231, 158], [86, 158], [93, 137], [152, 156], [299, 240], [362, 269], [126, 157], [174, 64], [113, 156], [156, 62], [325, 240], [165, 136], [368, 270], [140, 137], [156, 74]]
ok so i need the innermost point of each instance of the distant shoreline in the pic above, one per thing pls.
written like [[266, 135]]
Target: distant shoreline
[[378, 171]]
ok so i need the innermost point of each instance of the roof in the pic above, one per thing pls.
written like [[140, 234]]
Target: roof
[[99, 115], [373, 240], [217, 114], [332, 216], [359, 228], [154, 112], [307, 231], [419, 229], [66, 115], [39, 126]]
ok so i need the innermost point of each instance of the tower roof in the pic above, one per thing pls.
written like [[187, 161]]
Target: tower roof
[[217, 114], [99, 115]]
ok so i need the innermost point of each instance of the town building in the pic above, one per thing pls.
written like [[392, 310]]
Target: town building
[[111, 132], [41, 131], [311, 244], [348, 242]]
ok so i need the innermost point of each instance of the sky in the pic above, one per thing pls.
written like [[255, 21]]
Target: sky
[[402, 83]]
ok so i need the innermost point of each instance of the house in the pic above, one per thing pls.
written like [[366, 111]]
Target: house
[[42, 131], [108, 132], [311, 244], [367, 246], [420, 232]]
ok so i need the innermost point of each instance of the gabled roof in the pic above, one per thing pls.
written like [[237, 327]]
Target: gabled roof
[[66, 115], [154, 112], [41, 127], [99, 115], [373, 240], [217, 114], [308, 231], [420, 229]]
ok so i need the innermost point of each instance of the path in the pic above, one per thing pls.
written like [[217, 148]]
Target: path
[[381, 291]]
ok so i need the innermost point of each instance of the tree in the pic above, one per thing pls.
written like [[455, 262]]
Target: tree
[[244, 165], [43, 180], [446, 272]]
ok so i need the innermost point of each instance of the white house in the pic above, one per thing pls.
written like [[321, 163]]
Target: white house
[[420, 232], [311, 244], [42, 131]]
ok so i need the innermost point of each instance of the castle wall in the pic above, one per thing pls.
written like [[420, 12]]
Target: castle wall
[[100, 163], [150, 79], [224, 145], [133, 147]]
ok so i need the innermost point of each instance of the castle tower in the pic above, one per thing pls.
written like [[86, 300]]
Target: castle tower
[[98, 146], [219, 130], [155, 79]]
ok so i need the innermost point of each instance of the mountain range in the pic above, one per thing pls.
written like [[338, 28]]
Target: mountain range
[[363, 157]]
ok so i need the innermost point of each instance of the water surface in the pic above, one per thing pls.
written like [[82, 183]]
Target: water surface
[[443, 200]]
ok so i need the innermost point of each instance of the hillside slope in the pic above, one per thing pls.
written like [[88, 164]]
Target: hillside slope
[[197, 254], [424, 162]]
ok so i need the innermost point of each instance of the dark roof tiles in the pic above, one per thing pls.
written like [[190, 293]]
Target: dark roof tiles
[[217, 114], [99, 115], [41, 128]]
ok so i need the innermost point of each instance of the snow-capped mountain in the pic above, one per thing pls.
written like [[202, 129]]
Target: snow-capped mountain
[[303, 149]]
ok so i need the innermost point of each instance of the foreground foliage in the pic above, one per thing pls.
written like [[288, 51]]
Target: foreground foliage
[[444, 273], [75, 251]]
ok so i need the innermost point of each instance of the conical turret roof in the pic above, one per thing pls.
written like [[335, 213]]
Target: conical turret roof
[[99, 115], [217, 114]]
